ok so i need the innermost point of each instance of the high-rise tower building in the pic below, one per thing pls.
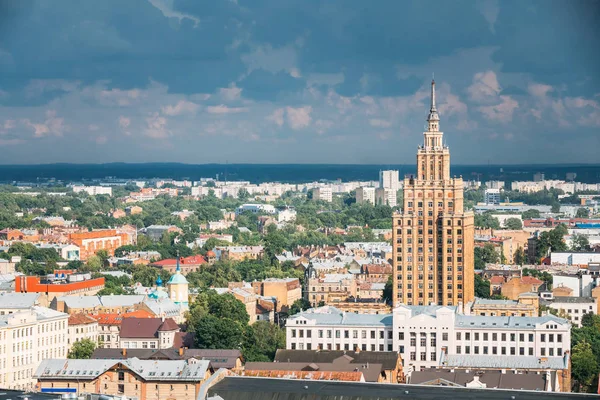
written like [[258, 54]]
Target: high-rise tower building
[[433, 235]]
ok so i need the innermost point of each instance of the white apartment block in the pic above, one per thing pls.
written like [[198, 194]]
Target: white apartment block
[[389, 180], [492, 196], [255, 208], [574, 308], [421, 333], [323, 194], [287, 215], [28, 336], [494, 184], [386, 197], [365, 195], [92, 190]]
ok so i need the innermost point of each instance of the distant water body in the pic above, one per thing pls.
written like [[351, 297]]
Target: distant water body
[[293, 173]]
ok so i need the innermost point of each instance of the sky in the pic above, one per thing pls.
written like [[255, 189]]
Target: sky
[[297, 81]]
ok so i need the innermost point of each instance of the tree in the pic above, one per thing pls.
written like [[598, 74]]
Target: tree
[[93, 264], [555, 207], [274, 244], [487, 221], [580, 243], [261, 341], [211, 332], [103, 256], [482, 287], [551, 240], [584, 366], [530, 214], [520, 256], [299, 305], [513, 223], [388, 291], [82, 349], [582, 213], [486, 255]]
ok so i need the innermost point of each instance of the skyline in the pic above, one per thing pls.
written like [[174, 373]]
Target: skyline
[[285, 83]]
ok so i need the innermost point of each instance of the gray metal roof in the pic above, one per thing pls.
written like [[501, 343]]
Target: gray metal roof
[[503, 362], [250, 388], [479, 321], [151, 370], [569, 299], [332, 316], [18, 300]]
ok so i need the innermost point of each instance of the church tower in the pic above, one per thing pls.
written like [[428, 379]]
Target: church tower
[[178, 287], [433, 236]]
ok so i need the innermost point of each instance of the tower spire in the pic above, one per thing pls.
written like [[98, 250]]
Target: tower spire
[[433, 117]]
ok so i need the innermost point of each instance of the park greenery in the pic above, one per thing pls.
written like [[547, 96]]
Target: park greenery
[[585, 354], [221, 322], [82, 349]]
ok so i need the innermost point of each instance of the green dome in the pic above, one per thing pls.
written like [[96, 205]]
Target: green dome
[[177, 279]]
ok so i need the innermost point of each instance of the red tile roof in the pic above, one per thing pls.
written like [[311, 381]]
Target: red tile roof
[[117, 319], [81, 319], [530, 280], [192, 260], [497, 280]]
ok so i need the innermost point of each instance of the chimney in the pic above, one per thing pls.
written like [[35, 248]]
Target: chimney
[[181, 351], [124, 352]]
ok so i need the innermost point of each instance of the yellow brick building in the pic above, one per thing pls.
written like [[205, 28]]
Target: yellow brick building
[[433, 236]]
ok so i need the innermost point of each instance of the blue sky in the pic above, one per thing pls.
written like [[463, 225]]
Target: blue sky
[[261, 81]]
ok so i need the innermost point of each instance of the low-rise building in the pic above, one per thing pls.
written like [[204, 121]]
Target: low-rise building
[[238, 253], [527, 305], [419, 333], [152, 333], [329, 288], [90, 243], [187, 264], [517, 286], [255, 209], [133, 378], [51, 289], [573, 308], [82, 326], [109, 326], [286, 290]]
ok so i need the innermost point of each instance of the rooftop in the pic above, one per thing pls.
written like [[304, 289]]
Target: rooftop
[[504, 362], [18, 300]]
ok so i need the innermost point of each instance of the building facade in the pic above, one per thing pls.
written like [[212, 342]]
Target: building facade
[[433, 236], [365, 195], [421, 333], [323, 194], [28, 336]]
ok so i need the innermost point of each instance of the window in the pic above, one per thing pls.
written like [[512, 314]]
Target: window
[[121, 375], [521, 351], [503, 351], [485, 336], [458, 336], [543, 351], [504, 337], [423, 356], [543, 337], [494, 350], [457, 349], [494, 337], [293, 333], [121, 388], [513, 337], [476, 335], [559, 338], [346, 334], [320, 333], [400, 335], [467, 349], [445, 336], [522, 337], [467, 335], [476, 348], [551, 337], [531, 337]]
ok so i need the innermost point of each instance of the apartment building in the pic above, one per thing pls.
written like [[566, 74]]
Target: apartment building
[[386, 197], [573, 308], [433, 235], [93, 190], [82, 326], [419, 333], [91, 242], [152, 333], [109, 326], [285, 290], [323, 194], [389, 180], [330, 288], [131, 378], [365, 195], [52, 289], [28, 336]]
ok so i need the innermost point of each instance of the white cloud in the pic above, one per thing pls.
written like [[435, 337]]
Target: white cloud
[[10, 124], [166, 8], [502, 112], [451, 105], [223, 109], [272, 59], [52, 125], [485, 86], [539, 89], [156, 127], [298, 118], [93, 127], [277, 116], [119, 97], [182, 107], [124, 122], [11, 142], [380, 123], [490, 10], [230, 93]]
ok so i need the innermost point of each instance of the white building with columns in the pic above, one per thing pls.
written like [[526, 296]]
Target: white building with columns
[[421, 333]]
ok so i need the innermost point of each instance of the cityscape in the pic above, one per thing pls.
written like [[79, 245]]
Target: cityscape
[[155, 266]]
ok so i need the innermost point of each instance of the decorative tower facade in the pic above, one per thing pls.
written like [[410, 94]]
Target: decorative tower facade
[[433, 242], [178, 288]]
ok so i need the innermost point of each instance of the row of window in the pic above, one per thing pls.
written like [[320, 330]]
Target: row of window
[[512, 336], [503, 350], [338, 346], [338, 334]]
